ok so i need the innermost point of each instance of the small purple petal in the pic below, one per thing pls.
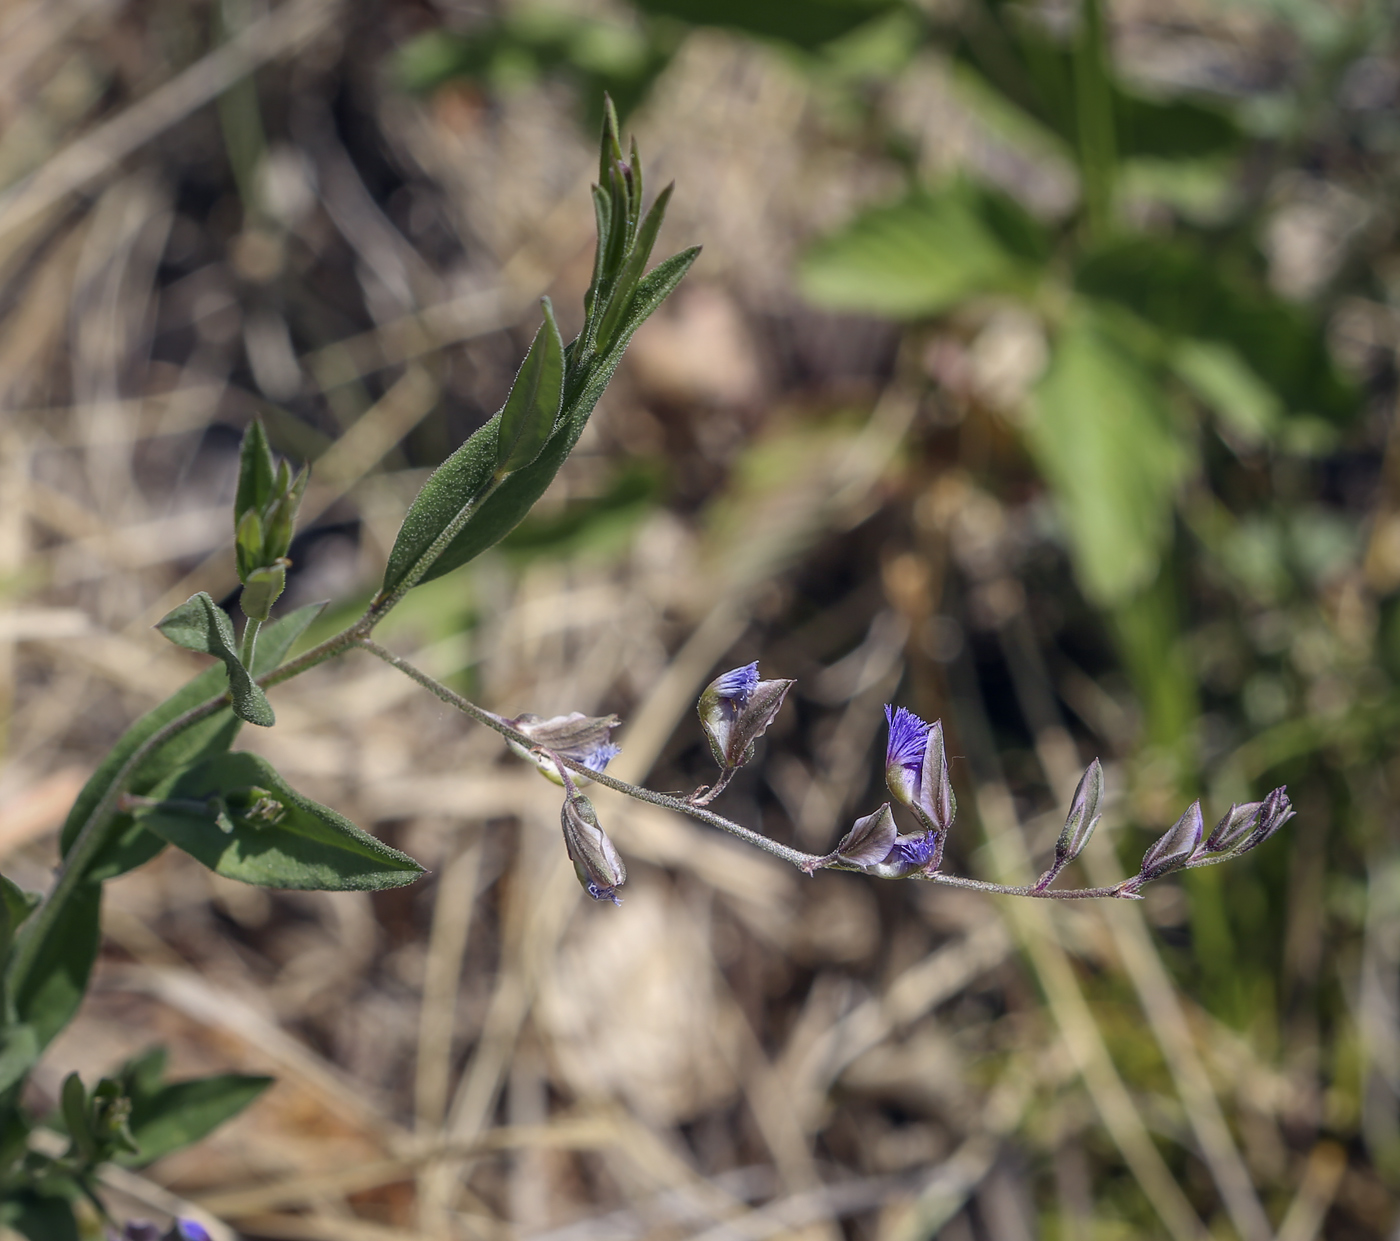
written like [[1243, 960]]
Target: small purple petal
[[191, 1230], [600, 893], [598, 758], [907, 740], [737, 684], [915, 851]]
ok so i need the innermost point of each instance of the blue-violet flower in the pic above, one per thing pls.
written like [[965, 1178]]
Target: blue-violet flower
[[736, 710]]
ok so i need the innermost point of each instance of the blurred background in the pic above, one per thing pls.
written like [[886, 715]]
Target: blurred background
[[1038, 374]]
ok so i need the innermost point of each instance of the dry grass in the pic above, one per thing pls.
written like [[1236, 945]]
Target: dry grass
[[737, 1052]]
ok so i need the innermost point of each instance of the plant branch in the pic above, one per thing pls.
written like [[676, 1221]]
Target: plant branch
[[683, 805]]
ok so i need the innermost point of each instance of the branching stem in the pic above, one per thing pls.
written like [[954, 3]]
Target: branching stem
[[694, 808]]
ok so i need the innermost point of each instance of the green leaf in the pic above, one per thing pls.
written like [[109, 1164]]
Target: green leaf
[[175, 1115], [42, 1219], [200, 624], [467, 472], [15, 906], [914, 258], [55, 985], [256, 473], [1219, 376], [19, 1049], [633, 266], [1185, 291], [264, 587], [131, 844], [73, 1103], [806, 25], [532, 408], [1104, 441], [279, 838]]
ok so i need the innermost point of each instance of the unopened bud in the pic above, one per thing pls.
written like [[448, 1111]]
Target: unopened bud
[[263, 588], [736, 710], [596, 861], [1083, 816], [1173, 850]]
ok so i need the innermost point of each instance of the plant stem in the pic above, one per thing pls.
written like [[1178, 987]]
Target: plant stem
[[88, 844], [682, 805]]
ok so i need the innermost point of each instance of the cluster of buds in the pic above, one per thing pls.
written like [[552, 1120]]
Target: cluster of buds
[[1181, 847], [737, 708], [264, 520], [179, 1230]]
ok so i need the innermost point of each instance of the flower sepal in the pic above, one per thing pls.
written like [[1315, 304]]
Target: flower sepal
[[582, 738], [874, 846]]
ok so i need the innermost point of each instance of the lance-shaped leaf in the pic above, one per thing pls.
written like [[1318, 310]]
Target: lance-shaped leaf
[[632, 268], [15, 906], [235, 814], [131, 845], [464, 478], [532, 408], [257, 474], [200, 624], [167, 1117], [1175, 847], [19, 1049], [48, 996], [1079, 825]]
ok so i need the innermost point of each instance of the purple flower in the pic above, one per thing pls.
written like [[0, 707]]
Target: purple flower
[[736, 709], [916, 769], [582, 738], [190, 1230], [874, 846]]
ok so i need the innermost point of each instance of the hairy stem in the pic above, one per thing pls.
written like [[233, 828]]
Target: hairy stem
[[683, 805], [250, 642]]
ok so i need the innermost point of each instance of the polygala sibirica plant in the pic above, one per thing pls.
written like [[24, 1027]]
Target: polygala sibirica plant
[[172, 778]]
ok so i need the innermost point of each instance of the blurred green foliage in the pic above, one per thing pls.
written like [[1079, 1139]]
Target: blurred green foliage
[[1216, 475]]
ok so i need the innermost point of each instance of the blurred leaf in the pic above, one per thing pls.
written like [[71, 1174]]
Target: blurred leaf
[[253, 827], [41, 1219], [57, 978], [806, 25], [131, 845], [1105, 443], [630, 495], [1024, 64], [200, 624], [15, 906], [923, 255], [602, 55], [532, 408], [19, 1049], [467, 472], [1219, 376], [1183, 291], [175, 1115]]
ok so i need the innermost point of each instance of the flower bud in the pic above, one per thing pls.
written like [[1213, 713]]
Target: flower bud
[[189, 1230], [736, 710], [582, 738], [1173, 850], [1275, 811], [874, 846], [596, 861], [1239, 822], [916, 769], [1083, 816], [264, 512]]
